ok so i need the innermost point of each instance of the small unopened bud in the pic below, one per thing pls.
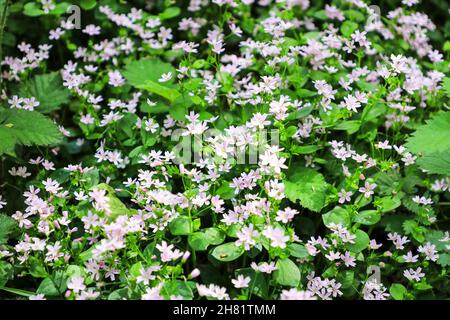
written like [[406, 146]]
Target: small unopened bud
[[186, 256], [194, 274]]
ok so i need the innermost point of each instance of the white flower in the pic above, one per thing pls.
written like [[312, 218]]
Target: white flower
[[76, 283], [241, 281], [277, 236], [165, 77]]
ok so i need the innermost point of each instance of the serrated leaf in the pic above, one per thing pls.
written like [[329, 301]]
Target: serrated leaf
[[437, 162], [431, 137], [6, 272], [47, 89], [28, 128], [7, 226]]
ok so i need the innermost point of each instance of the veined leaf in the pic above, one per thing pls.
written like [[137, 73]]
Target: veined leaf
[[163, 91], [27, 128], [47, 89], [432, 136], [309, 187]]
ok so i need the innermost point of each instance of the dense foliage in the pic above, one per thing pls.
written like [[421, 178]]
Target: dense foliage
[[224, 149]]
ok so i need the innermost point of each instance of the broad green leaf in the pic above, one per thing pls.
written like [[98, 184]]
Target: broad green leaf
[[397, 291], [227, 252], [37, 267], [116, 206], [6, 272], [431, 137], [436, 162], [180, 226], [446, 84], [287, 273], [138, 72], [47, 89], [54, 285], [88, 4], [161, 90], [298, 250], [367, 217], [28, 128], [387, 204], [32, 9], [337, 216], [351, 126], [348, 27], [308, 186], [170, 13], [361, 242], [258, 283], [7, 227], [200, 241]]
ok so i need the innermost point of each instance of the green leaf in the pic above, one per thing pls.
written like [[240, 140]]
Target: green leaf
[[446, 85], [74, 270], [225, 191], [199, 241], [28, 128], [387, 204], [397, 291], [170, 13], [54, 285], [337, 216], [37, 268], [180, 226], [138, 72], [348, 27], [298, 250], [119, 294], [258, 284], [116, 206], [308, 186], [88, 4], [6, 272], [19, 292], [351, 126], [412, 227], [135, 269], [432, 136], [367, 217], [47, 89], [161, 90], [305, 149], [227, 252], [7, 226], [32, 9], [287, 273], [361, 242], [436, 162]]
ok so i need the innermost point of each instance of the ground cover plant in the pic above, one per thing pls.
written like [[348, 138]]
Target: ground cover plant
[[224, 149]]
